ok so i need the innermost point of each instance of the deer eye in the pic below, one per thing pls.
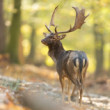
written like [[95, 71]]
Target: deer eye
[[52, 38]]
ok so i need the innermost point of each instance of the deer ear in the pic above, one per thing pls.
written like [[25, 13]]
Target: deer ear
[[44, 34]]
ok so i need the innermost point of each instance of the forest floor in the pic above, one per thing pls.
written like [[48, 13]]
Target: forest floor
[[28, 87]]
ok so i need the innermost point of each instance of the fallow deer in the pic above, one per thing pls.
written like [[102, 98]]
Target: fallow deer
[[69, 64]]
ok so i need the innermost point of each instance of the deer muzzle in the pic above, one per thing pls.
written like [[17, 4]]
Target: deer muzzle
[[44, 41]]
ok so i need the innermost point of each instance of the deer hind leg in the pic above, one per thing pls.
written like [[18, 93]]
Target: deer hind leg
[[63, 86], [81, 92], [73, 93], [69, 86]]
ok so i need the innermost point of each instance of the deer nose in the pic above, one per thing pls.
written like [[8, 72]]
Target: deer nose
[[43, 41]]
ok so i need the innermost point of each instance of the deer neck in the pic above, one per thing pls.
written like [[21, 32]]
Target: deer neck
[[55, 50]]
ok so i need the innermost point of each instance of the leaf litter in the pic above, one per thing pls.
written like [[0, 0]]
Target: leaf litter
[[40, 90]]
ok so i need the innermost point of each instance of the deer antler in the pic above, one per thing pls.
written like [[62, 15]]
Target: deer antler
[[52, 20], [79, 20]]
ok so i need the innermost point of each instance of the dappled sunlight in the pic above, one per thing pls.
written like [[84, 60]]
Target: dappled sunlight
[[26, 46], [98, 101], [26, 30], [41, 30], [49, 61], [91, 67], [107, 55], [44, 50], [30, 79]]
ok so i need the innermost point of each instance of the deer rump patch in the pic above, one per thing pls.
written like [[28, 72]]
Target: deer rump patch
[[79, 63], [75, 65]]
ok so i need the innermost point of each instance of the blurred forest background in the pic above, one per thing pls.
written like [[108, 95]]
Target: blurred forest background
[[22, 26], [25, 67]]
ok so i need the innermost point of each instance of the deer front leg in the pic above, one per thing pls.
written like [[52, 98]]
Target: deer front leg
[[63, 86]]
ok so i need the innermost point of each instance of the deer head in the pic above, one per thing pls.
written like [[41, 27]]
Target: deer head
[[56, 36]]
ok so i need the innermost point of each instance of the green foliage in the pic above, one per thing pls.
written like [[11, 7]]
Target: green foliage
[[13, 85]]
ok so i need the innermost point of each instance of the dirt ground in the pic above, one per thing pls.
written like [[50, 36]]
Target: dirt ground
[[28, 87]]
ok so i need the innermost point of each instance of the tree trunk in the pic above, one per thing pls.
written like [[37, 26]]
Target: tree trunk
[[32, 38], [2, 29], [31, 57], [15, 32], [109, 62], [20, 51], [32, 42], [99, 46]]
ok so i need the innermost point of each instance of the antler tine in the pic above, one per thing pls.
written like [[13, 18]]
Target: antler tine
[[79, 20], [48, 28], [56, 29], [52, 20], [80, 17]]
